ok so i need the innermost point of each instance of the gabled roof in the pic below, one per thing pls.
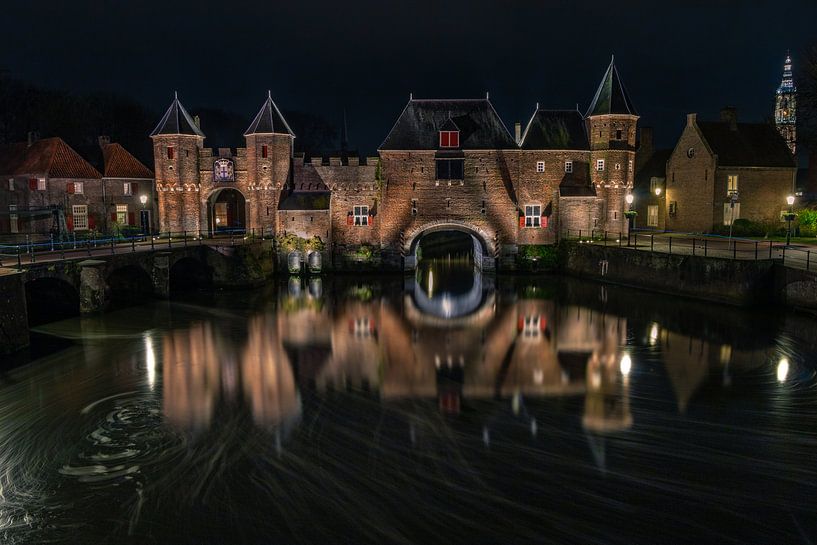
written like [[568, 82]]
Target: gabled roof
[[611, 96], [556, 129], [747, 145], [119, 163], [418, 126], [49, 156], [177, 121], [655, 167], [269, 120]]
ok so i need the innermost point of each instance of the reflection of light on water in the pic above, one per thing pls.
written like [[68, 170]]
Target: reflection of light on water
[[625, 365], [430, 283], [782, 369], [150, 361], [654, 334]]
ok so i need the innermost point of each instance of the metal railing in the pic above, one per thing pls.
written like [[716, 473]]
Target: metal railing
[[697, 245], [19, 255]]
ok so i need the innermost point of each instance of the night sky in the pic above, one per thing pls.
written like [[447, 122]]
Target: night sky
[[366, 56]]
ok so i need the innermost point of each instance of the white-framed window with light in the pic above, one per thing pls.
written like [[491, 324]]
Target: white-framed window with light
[[40, 184], [14, 226], [361, 215], [122, 214], [568, 167], [540, 166], [127, 189], [730, 212], [652, 215], [731, 184], [600, 165], [79, 188], [532, 326], [533, 215], [80, 215]]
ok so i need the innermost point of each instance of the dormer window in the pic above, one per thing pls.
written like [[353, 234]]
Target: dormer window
[[449, 139]]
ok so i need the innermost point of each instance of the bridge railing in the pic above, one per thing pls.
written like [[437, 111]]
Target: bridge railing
[[58, 249], [697, 245]]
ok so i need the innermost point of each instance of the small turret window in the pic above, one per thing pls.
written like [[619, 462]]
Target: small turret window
[[618, 134], [264, 151], [171, 152], [600, 165]]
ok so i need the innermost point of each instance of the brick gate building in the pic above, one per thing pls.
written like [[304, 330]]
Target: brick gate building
[[445, 165]]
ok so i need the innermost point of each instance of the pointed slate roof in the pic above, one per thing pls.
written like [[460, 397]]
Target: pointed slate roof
[[177, 121], [269, 120], [556, 129], [119, 163], [611, 96], [418, 126], [49, 156]]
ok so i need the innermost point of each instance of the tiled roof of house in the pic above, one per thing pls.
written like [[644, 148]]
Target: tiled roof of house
[[418, 126], [611, 96], [269, 120], [177, 121], [747, 144], [50, 156], [119, 163], [555, 129]]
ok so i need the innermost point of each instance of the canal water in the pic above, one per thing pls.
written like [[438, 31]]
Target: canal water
[[448, 407]]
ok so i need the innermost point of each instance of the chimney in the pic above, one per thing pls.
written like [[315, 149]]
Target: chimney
[[103, 141], [692, 119], [646, 145], [197, 121], [729, 115], [517, 131]]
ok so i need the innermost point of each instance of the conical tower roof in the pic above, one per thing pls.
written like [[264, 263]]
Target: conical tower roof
[[611, 96], [177, 121], [269, 120]]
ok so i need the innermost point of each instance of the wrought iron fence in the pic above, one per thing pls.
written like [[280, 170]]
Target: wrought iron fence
[[697, 245]]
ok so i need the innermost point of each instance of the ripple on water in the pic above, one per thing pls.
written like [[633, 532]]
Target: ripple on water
[[129, 434]]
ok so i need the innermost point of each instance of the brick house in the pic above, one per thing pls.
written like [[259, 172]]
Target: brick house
[[445, 165], [126, 183], [713, 161], [47, 187]]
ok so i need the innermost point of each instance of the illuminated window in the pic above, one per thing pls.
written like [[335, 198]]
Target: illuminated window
[[533, 215], [127, 189], [449, 139], [361, 215], [732, 184], [652, 215], [568, 167], [540, 166], [41, 184], [532, 326], [600, 165], [122, 214], [80, 213]]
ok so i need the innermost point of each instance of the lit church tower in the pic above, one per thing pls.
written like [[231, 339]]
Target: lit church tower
[[785, 107]]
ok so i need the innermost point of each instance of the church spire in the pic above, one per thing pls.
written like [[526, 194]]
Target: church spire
[[611, 97], [785, 107]]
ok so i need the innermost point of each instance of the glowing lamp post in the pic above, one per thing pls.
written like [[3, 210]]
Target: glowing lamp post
[[789, 217], [630, 214]]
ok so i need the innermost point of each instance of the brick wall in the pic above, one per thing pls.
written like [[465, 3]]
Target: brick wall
[[689, 182], [305, 223], [762, 192]]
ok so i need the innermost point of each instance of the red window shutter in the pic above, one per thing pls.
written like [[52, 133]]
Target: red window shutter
[[69, 188], [32, 184], [350, 220], [521, 221], [455, 139], [113, 216], [544, 222], [69, 222], [520, 324], [543, 323], [445, 139], [264, 151], [131, 218], [170, 151]]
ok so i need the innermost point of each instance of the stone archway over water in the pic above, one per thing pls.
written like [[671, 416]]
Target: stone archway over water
[[484, 248]]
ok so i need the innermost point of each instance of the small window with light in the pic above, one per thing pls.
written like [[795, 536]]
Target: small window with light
[[540, 166], [568, 167], [533, 215], [361, 215]]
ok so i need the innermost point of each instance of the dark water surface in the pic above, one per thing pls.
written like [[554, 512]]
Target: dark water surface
[[365, 410]]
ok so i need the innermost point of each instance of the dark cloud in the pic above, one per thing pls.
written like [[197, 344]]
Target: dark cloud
[[366, 56]]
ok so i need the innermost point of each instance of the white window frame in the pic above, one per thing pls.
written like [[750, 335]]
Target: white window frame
[[652, 215], [360, 212], [728, 215], [122, 214], [79, 213], [540, 166], [730, 187], [79, 188], [14, 226], [533, 216], [127, 189], [41, 184], [599, 165], [531, 326], [568, 167]]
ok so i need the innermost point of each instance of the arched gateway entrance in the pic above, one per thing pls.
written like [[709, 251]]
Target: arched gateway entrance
[[226, 211], [483, 246]]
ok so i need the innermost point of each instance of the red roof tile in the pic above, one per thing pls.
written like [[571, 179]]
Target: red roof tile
[[119, 163], [49, 156]]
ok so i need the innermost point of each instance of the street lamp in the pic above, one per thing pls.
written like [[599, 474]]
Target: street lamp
[[657, 191], [145, 225], [630, 213], [143, 199], [789, 218]]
